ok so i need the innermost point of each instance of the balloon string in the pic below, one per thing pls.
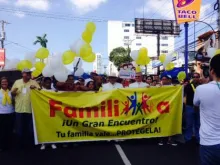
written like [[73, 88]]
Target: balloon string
[[76, 67]]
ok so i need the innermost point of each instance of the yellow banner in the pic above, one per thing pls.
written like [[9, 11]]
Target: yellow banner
[[187, 10], [117, 114]]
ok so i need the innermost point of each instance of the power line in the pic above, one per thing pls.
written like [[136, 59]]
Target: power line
[[15, 43], [52, 15]]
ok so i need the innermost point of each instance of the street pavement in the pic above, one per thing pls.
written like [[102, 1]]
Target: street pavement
[[129, 152]]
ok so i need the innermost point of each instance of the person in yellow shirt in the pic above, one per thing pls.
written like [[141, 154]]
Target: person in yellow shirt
[[21, 90]]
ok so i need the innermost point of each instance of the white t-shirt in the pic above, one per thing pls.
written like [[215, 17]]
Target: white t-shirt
[[5, 109], [138, 85], [109, 86], [207, 97]]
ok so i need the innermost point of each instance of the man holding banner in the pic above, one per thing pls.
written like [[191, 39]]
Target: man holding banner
[[138, 83], [21, 90], [112, 84]]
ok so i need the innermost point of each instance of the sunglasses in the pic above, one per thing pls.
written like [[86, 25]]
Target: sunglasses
[[196, 77], [137, 76]]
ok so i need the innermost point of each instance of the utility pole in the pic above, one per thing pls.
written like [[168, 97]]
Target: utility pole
[[158, 52], [2, 34]]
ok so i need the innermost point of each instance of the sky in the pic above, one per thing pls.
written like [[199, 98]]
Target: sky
[[64, 21]]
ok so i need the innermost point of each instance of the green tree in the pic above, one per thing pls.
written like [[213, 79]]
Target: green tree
[[42, 41], [120, 56]]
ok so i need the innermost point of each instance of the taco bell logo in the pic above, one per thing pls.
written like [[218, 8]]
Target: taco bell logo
[[183, 3]]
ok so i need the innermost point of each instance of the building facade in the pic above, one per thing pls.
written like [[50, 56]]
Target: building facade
[[97, 64], [122, 34]]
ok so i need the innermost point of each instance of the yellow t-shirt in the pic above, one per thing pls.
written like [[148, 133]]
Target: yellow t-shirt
[[22, 99]]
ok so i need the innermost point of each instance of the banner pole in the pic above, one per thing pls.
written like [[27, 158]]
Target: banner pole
[[186, 25]]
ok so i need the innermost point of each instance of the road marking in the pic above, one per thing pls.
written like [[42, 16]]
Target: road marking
[[122, 154]]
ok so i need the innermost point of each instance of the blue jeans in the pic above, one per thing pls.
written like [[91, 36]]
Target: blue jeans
[[24, 128], [210, 155], [192, 123]]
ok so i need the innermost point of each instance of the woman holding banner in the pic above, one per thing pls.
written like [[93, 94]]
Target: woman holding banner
[[6, 114]]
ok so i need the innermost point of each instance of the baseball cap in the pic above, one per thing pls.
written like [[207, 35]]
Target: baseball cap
[[26, 70]]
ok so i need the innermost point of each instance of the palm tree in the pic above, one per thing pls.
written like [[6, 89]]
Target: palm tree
[[42, 40]]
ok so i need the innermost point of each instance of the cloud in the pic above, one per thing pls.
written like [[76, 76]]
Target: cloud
[[19, 14], [34, 4], [4, 1], [205, 10], [158, 9], [85, 6]]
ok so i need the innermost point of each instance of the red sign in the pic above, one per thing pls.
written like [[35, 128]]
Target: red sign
[[2, 57]]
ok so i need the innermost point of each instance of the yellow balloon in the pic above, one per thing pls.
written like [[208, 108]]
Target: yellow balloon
[[147, 60], [181, 76], [24, 64], [36, 73], [143, 51], [217, 51], [42, 53], [39, 66], [170, 66], [162, 58], [68, 57], [138, 69], [90, 26], [87, 36], [142, 58], [90, 58], [19, 66], [85, 50]]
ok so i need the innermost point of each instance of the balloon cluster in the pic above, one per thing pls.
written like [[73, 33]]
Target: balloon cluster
[[140, 57], [82, 47], [80, 50], [55, 66], [166, 60]]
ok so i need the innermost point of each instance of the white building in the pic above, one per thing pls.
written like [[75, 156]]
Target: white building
[[97, 64], [122, 34]]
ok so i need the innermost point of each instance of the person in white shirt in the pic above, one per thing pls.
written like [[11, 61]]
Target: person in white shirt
[[138, 83], [47, 87], [206, 99], [112, 84], [6, 115]]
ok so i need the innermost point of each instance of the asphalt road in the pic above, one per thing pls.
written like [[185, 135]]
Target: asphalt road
[[129, 152]]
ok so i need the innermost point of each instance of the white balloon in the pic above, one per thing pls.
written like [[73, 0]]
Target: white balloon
[[77, 59], [134, 54], [56, 63], [11, 64], [30, 57], [47, 71], [61, 76], [32, 69], [79, 72], [169, 58], [77, 45], [211, 52]]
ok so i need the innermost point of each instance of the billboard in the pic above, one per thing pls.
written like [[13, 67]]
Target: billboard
[[187, 10], [2, 57], [156, 26]]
